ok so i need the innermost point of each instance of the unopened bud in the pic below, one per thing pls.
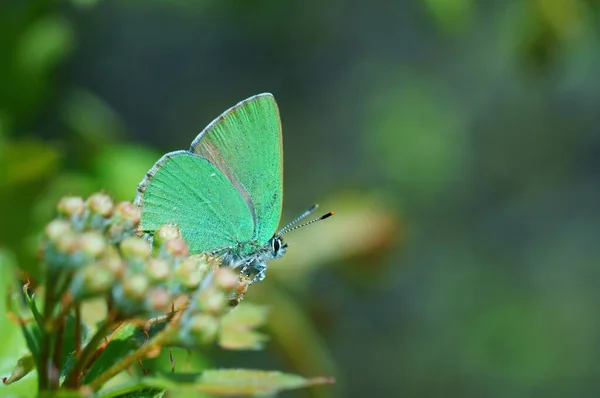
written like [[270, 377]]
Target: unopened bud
[[205, 326], [57, 228], [159, 299], [226, 278], [191, 271], [100, 204], [127, 213], [212, 301], [158, 269], [134, 247], [166, 233], [93, 244], [97, 279], [135, 287], [70, 206], [113, 263], [116, 232], [68, 243], [177, 248]]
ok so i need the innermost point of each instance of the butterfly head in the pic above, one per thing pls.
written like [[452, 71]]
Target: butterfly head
[[277, 247], [253, 260]]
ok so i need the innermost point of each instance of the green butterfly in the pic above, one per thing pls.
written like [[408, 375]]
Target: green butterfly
[[226, 192]]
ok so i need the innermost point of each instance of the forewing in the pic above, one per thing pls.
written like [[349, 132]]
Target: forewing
[[187, 190], [245, 144]]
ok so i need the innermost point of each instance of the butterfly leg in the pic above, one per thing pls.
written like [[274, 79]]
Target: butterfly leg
[[255, 270]]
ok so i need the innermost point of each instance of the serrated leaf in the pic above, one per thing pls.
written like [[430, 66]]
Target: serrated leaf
[[237, 327], [233, 382]]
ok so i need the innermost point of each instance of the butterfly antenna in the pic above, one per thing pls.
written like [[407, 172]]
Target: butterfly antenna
[[300, 217], [287, 229]]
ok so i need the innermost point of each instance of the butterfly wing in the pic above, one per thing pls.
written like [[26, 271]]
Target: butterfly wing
[[187, 190], [245, 143]]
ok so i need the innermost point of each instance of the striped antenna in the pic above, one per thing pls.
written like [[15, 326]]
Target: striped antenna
[[306, 213], [290, 226]]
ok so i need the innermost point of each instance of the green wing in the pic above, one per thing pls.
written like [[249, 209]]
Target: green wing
[[245, 144], [187, 190]]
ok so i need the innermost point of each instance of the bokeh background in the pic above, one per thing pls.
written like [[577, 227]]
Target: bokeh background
[[458, 142]]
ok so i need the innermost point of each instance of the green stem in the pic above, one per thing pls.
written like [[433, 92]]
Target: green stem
[[63, 282], [45, 348], [77, 331], [72, 379], [57, 358], [66, 306], [158, 340]]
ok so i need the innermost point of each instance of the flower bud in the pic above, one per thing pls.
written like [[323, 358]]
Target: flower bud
[[100, 204], [177, 248], [134, 247], [93, 244], [135, 287], [127, 213], [116, 232], [205, 326], [158, 269], [212, 301], [96, 279], [68, 243], [57, 228], [226, 278], [113, 263], [166, 233], [70, 206], [159, 299], [191, 271]]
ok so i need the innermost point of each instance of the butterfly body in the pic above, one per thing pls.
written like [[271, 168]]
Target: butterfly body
[[252, 257], [226, 192]]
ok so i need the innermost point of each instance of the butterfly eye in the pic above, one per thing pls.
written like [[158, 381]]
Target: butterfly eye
[[276, 245]]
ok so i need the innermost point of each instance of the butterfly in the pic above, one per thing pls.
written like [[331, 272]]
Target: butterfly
[[226, 192]]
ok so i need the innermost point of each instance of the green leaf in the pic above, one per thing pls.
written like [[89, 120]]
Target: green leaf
[[121, 343], [69, 340], [13, 348], [237, 327], [90, 117], [119, 167], [37, 315], [25, 162], [29, 326], [24, 365], [233, 382], [132, 388], [312, 356], [32, 332], [45, 43]]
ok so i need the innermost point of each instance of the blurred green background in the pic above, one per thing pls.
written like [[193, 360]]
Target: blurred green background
[[458, 141]]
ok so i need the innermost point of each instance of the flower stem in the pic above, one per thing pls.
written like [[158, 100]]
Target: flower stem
[[73, 378], [158, 340], [57, 357], [77, 331], [46, 344]]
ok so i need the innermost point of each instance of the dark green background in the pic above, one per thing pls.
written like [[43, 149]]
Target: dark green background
[[465, 131]]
